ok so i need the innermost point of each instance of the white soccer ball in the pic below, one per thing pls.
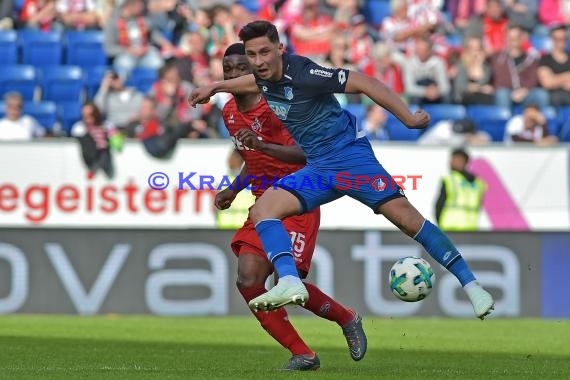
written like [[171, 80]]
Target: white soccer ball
[[411, 279]]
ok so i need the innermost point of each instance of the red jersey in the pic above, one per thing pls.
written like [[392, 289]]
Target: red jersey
[[263, 121]]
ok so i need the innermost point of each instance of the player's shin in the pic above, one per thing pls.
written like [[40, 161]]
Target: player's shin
[[276, 323], [438, 245], [325, 307], [277, 244]]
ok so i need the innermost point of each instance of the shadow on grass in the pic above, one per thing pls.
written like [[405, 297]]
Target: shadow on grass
[[28, 357]]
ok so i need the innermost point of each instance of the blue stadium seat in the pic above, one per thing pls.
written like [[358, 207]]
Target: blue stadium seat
[[455, 40], [439, 112], [18, 4], [8, 47], [85, 48], [92, 78], [490, 119], [541, 43], [44, 112], [68, 114], [564, 123], [252, 6], [41, 49], [142, 79], [376, 10], [564, 133], [399, 132], [563, 113], [554, 124], [18, 78], [61, 83]]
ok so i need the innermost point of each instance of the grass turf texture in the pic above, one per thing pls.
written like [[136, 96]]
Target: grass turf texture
[[135, 347]]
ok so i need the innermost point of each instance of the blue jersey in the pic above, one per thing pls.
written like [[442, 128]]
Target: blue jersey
[[304, 101]]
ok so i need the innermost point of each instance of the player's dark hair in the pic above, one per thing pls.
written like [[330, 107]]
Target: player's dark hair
[[462, 153], [235, 49], [257, 29]]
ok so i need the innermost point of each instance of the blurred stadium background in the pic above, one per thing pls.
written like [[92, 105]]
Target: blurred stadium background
[[87, 242]]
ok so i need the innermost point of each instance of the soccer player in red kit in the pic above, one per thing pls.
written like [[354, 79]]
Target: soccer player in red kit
[[270, 153]]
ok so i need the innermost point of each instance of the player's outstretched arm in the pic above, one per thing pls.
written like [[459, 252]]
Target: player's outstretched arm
[[237, 86], [383, 96], [292, 154]]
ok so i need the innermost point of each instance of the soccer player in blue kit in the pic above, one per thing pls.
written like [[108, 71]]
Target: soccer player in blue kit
[[301, 93]]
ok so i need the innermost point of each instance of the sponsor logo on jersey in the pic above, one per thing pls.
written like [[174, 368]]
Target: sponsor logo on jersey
[[256, 126], [280, 109], [321, 73], [288, 93], [264, 88], [231, 120]]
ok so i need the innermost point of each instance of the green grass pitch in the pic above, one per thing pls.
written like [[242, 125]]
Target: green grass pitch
[[140, 347]]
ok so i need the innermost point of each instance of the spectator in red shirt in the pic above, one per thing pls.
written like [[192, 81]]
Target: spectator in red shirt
[[383, 68], [360, 42], [311, 32], [37, 14], [170, 93], [157, 140], [491, 27]]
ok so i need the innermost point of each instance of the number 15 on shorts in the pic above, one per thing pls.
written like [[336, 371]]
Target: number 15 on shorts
[[298, 242]]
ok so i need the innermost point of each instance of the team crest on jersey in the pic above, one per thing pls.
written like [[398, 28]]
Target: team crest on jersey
[[256, 126], [288, 93], [379, 185], [231, 120]]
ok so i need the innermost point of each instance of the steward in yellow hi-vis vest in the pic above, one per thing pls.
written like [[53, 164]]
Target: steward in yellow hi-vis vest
[[459, 204], [235, 216]]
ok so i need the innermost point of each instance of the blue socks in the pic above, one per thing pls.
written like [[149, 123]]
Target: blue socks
[[277, 245], [438, 245]]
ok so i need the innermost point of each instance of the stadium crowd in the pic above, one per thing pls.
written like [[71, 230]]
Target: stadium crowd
[[486, 70]]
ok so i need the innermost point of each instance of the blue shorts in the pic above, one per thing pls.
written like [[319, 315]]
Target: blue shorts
[[354, 171]]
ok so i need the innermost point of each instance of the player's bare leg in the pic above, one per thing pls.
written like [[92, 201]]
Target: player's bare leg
[[266, 215], [253, 270], [408, 219]]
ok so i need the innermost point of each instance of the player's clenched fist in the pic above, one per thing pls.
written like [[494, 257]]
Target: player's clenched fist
[[250, 139], [419, 120], [200, 95], [225, 198]]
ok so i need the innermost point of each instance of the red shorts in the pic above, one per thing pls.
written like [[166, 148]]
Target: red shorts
[[303, 230]]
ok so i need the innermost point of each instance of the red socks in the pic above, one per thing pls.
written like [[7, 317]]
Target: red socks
[[325, 307], [277, 324]]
